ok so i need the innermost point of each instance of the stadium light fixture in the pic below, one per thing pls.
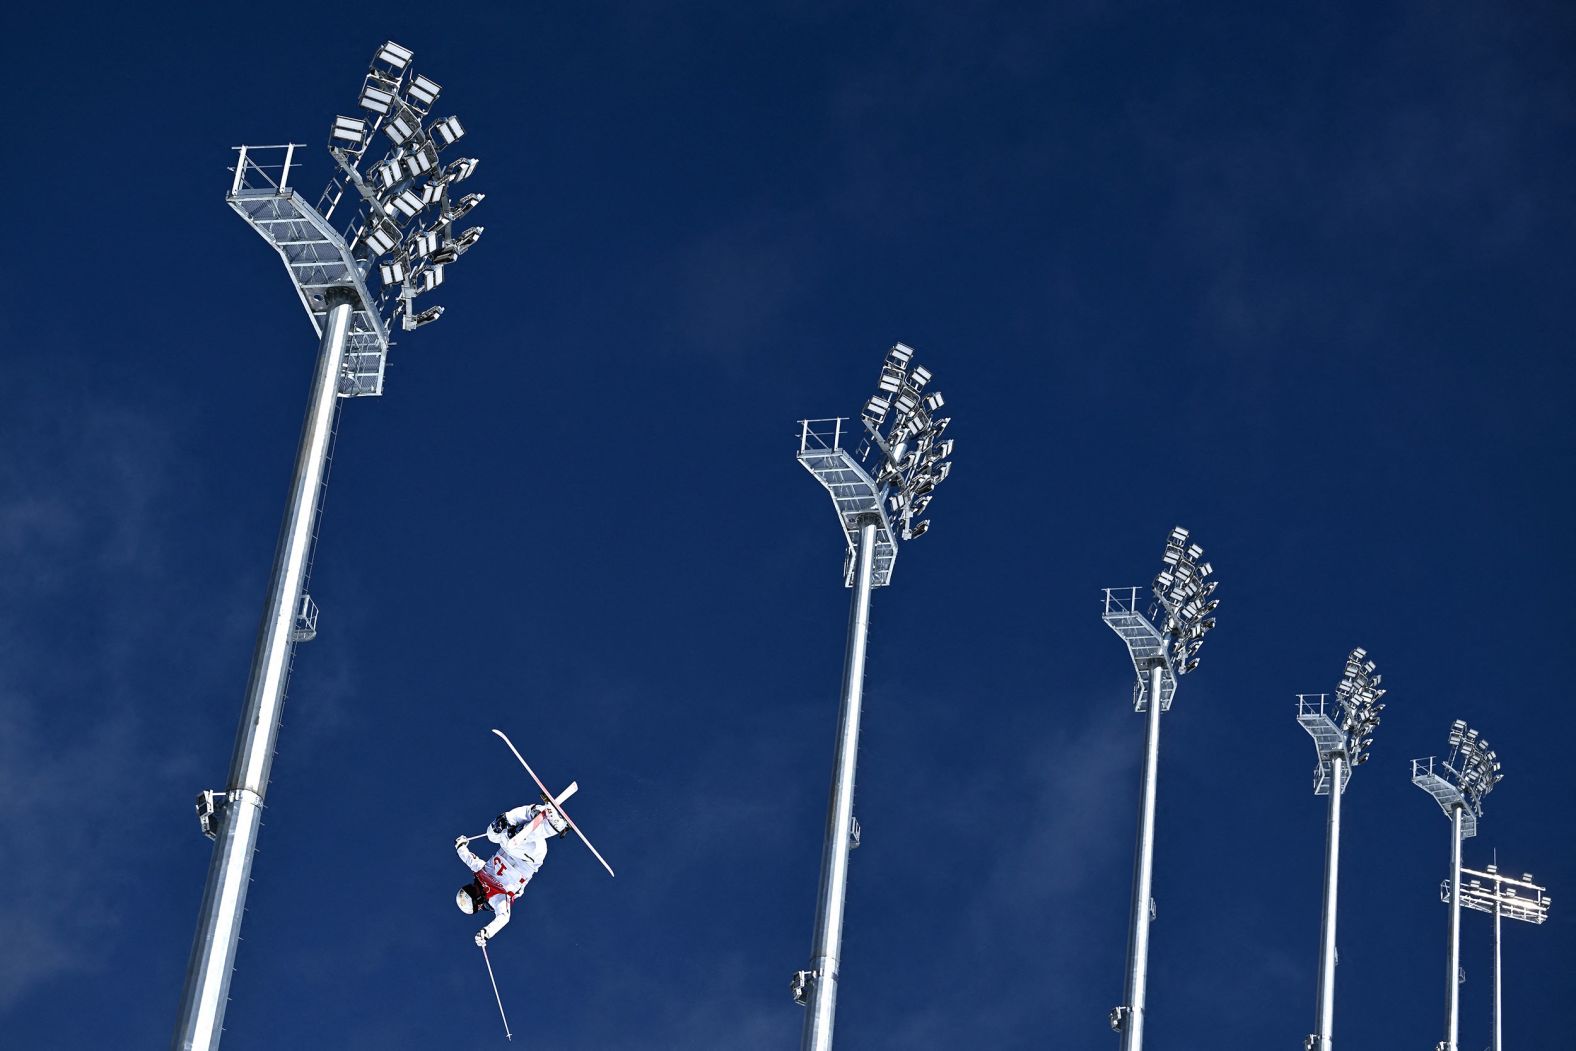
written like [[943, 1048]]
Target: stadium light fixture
[[349, 259], [875, 487], [1159, 644], [1342, 735], [1458, 785], [1502, 897]]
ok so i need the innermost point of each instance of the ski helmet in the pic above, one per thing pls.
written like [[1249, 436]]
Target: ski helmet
[[463, 899]]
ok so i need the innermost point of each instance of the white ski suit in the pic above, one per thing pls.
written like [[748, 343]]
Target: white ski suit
[[521, 849]]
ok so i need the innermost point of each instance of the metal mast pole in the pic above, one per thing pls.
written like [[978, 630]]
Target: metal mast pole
[[1332, 867], [1498, 1044], [821, 1002], [229, 872], [1453, 991], [1143, 874]]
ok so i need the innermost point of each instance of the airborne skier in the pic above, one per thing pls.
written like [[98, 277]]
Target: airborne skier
[[521, 835]]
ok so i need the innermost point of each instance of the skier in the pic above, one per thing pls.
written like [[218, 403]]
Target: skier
[[521, 835]]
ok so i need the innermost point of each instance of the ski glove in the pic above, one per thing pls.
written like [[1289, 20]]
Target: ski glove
[[481, 937], [460, 841]]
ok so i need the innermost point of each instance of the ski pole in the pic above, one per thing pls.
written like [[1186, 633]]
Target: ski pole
[[507, 1035]]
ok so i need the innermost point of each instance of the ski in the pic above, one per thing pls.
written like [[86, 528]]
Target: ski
[[568, 820]]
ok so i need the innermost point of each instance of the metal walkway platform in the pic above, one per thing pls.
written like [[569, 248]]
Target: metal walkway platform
[[1445, 794], [316, 256], [1327, 738], [1124, 616], [823, 452]]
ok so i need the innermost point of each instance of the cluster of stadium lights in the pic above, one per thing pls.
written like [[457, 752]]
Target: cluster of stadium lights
[[1183, 592], [406, 224], [1357, 705], [900, 418], [1472, 765]]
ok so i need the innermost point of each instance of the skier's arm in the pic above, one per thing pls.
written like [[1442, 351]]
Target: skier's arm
[[500, 907], [472, 862]]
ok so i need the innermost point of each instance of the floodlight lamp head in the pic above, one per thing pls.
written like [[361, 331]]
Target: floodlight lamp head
[[392, 57], [378, 94], [460, 168], [403, 125], [348, 133], [426, 317], [422, 91], [463, 206], [447, 132]]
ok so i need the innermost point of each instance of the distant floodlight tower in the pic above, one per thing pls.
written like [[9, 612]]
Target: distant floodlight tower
[[1341, 736], [881, 475], [1500, 895], [1163, 645], [1458, 785], [357, 265]]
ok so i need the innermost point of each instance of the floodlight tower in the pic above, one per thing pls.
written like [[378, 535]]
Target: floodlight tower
[[1163, 646], [1499, 895], [1458, 785], [1341, 736], [881, 475], [379, 236]]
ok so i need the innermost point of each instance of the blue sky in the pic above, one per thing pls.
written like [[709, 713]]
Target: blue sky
[[1297, 280]]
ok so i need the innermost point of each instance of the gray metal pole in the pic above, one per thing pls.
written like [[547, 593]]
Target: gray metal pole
[[1498, 1036], [224, 896], [1453, 1000], [1143, 876], [1332, 867], [821, 999]]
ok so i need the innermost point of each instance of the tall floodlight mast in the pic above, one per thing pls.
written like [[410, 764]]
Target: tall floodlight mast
[[1501, 896], [381, 234], [1164, 645], [1458, 785], [881, 474], [1342, 737]]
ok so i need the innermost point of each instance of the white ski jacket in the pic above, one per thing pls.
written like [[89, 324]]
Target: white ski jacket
[[516, 861]]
